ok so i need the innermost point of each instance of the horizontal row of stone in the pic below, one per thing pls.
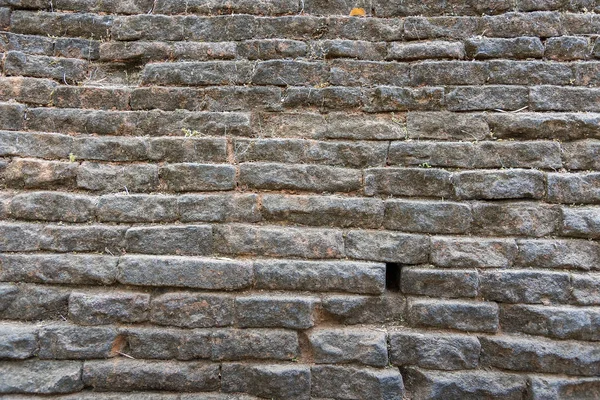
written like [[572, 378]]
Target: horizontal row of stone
[[558, 322], [421, 383], [245, 27], [565, 188], [417, 216], [302, 75], [506, 285], [193, 310], [366, 346], [483, 219], [543, 154], [194, 272], [442, 126], [45, 302], [317, 7], [324, 381], [512, 286], [223, 105], [327, 346], [563, 48], [281, 381]]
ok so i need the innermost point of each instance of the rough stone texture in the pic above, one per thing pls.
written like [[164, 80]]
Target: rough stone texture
[[34, 174], [311, 178], [438, 282], [338, 153], [476, 253], [18, 341], [569, 254], [522, 219], [333, 346], [586, 289], [387, 246], [190, 310], [105, 178], [524, 286], [476, 155], [408, 182], [425, 50], [313, 210], [198, 177], [278, 241], [574, 188], [187, 240], [128, 375], [97, 308], [564, 388], [514, 184], [474, 98], [315, 199], [73, 342], [75, 269], [434, 350], [563, 126], [218, 208], [454, 314], [357, 277], [464, 384], [554, 322], [356, 383], [251, 344], [540, 355], [275, 311], [427, 217], [353, 310], [136, 208], [97, 238], [41, 377], [164, 343], [523, 47], [26, 302], [270, 381], [184, 272]]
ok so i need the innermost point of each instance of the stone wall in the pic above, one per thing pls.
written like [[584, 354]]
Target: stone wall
[[274, 199]]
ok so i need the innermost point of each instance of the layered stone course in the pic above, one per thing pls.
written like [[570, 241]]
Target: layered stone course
[[315, 199]]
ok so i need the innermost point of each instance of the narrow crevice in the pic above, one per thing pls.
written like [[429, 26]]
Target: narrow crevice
[[392, 277]]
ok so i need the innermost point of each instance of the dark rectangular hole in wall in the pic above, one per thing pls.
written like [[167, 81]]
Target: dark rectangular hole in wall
[[392, 277]]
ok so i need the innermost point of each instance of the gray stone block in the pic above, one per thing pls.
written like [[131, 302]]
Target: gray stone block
[[463, 315], [387, 246], [56, 268], [340, 346], [424, 384], [18, 341], [176, 240], [436, 282], [130, 375], [102, 308], [201, 273], [345, 382], [62, 341], [268, 380], [434, 350], [40, 377], [321, 276], [270, 311], [191, 310], [540, 355]]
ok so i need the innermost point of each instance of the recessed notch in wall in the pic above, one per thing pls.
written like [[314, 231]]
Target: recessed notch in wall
[[392, 277]]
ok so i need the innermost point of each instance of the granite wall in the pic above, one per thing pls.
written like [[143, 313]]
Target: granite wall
[[274, 199]]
